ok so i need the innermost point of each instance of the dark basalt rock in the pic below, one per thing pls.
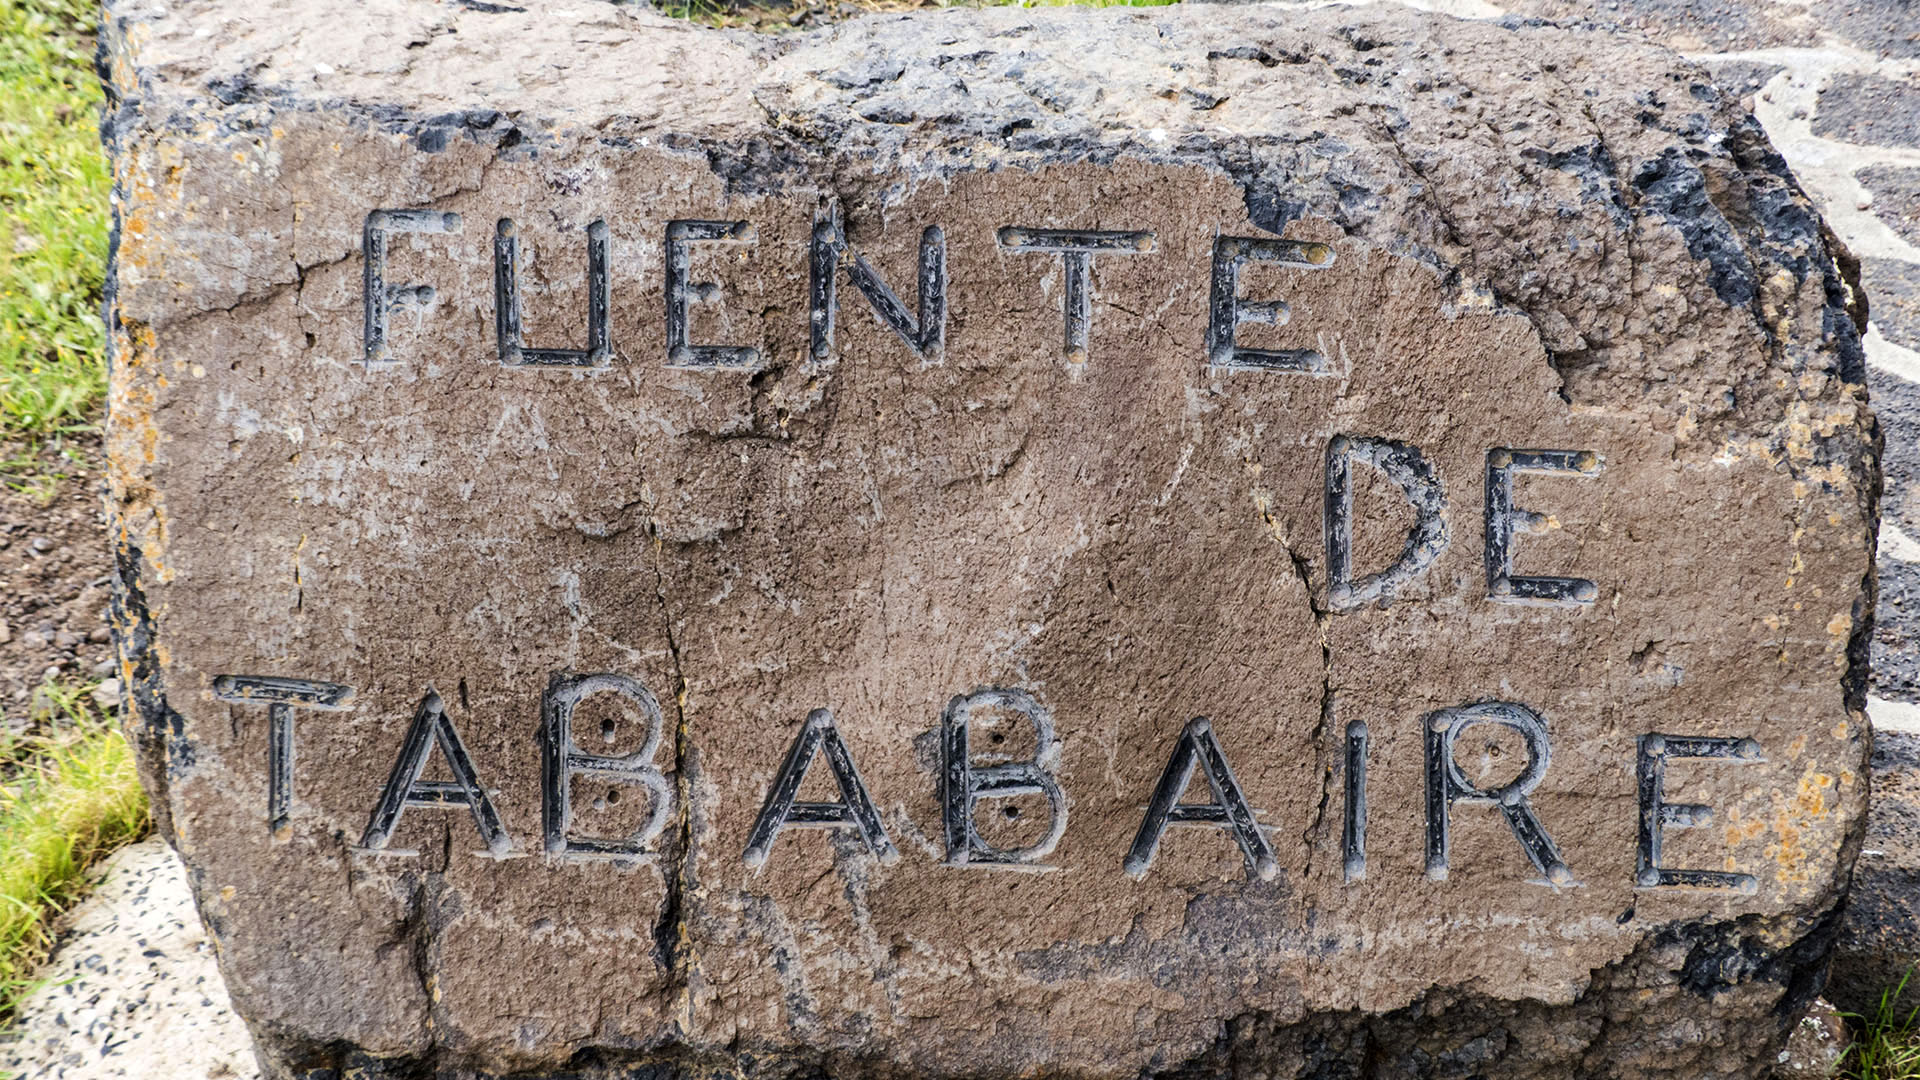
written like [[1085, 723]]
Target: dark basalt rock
[[648, 552]]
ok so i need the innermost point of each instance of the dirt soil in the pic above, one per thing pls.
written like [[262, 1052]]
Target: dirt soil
[[54, 568]]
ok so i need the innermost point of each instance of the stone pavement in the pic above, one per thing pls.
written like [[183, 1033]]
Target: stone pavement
[[1836, 83]]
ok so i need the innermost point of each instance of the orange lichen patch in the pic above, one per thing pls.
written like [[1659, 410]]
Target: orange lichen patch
[[132, 442], [1787, 854], [1812, 798], [1795, 820], [1740, 829], [148, 184]]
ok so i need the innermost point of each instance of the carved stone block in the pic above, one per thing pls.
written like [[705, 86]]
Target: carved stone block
[[1001, 543]]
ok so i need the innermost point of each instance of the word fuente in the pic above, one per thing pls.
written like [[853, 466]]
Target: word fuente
[[923, 331]]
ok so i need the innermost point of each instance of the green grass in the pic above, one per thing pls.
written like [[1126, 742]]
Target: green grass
[[1888, 1046], [70, 798], [53, 220]]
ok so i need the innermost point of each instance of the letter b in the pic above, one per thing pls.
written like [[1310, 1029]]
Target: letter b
[[963, 784], [562, 760]]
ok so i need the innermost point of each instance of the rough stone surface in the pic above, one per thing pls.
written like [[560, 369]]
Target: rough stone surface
[[1521, 237], [1896, 672], [1689, 25], [1893, 295], [1817, 1047], [1883, 27], [1742, 77], [133, 992]]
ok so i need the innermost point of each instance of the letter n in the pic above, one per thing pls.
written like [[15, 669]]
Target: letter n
[[925, 334]]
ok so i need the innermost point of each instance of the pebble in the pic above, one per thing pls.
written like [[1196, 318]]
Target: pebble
[[107, 695], [67, 639], [6, 632], [100, 635], [1817, 1045], [41, 544], [105, 668], [33, 641]]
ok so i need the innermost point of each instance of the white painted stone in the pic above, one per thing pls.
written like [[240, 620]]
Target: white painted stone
[[1895, 544], [1890, 358], [1901, 716]]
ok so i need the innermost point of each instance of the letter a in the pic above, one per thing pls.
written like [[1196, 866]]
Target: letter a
[[854, 811], [405, 788], [1229, 808]]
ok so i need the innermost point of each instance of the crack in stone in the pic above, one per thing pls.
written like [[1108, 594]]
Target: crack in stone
[[672, 943], [1303, 570]]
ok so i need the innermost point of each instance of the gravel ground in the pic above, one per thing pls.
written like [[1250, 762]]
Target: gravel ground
[[53, 580]]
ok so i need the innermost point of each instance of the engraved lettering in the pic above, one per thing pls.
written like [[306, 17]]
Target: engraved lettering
[[1354, 834], [507, 311], [853, 813], [963, 783], [1228, 310], [561, 759], [1076, 248], [1228, 810], [1658, 815], [405, 788], [281, 697], [378, 298], [682, 294], [926, 334], [1403, 464], [1446, 785], [1504, 519]]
